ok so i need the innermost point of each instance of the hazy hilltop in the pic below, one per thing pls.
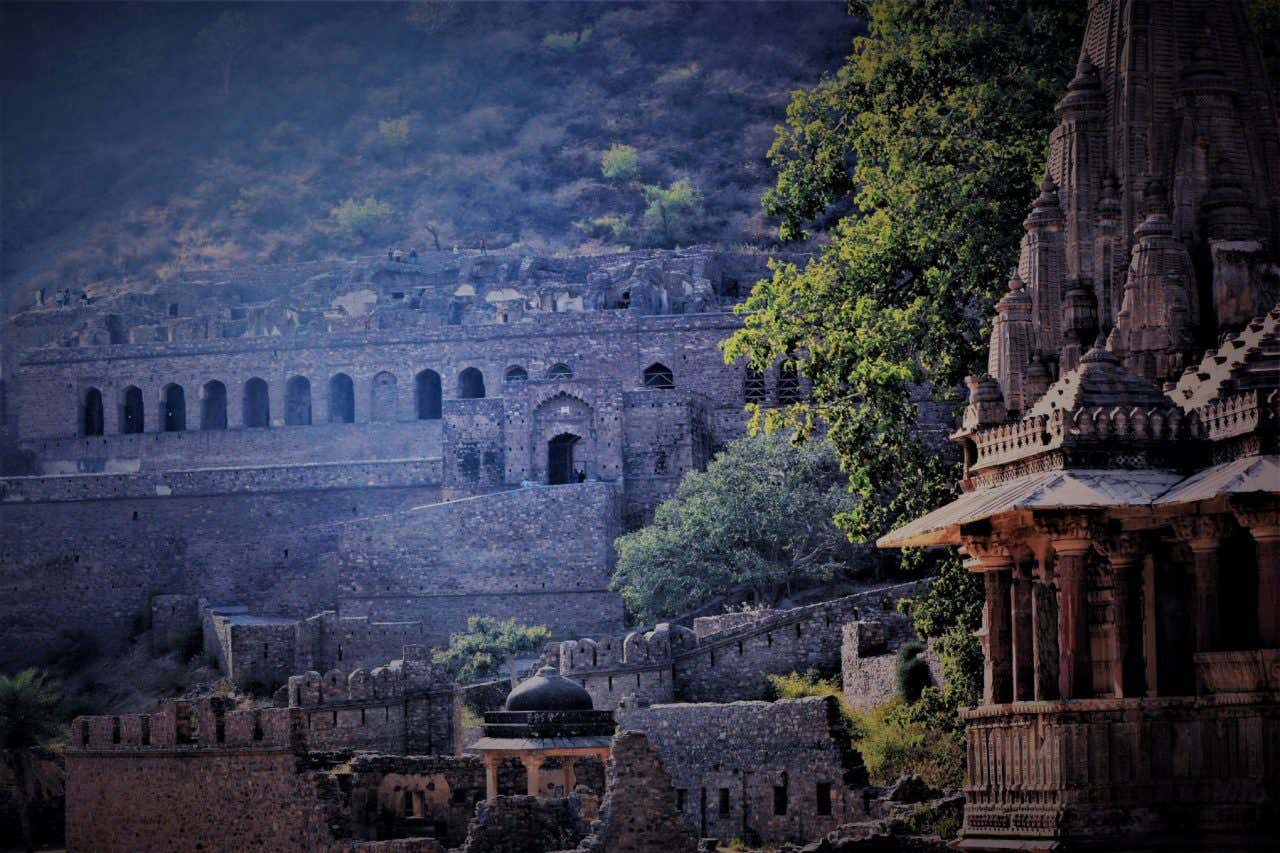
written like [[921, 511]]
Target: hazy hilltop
[[141, 138]]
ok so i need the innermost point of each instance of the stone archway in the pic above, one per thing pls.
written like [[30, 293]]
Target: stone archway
[[563, 440]]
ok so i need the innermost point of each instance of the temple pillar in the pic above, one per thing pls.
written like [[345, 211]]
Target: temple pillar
[[1044, 639], [1263, 524], [491, 763], [1123, 552], [992, 559], [533, 770], [568, 774], [1203, 534], [1072, 540], [1150, 654], [1023, 633]]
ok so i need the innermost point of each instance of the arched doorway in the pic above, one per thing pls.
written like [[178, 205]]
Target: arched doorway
[[471, 384], [174, 401], [131, 414], [257, 403], [342, 399], [213, 408], [93, 421], [560, 465], [297, 402], [427, 389]]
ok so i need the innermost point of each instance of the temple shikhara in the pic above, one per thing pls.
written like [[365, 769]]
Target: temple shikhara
[[1121, 474]]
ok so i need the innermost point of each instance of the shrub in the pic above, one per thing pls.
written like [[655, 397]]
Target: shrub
[[362, 218], [798, 685], [394, 131], [620, 163], [911, 672], [896, 739], [673, 212]]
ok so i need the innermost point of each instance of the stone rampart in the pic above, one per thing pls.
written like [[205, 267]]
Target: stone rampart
[[737, 663], [764, 772]]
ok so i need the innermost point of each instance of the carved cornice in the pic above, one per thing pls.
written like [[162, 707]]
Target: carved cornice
[[1260, 517], [989, 553], [1123, 549], [1201, 532], [1071, 533]]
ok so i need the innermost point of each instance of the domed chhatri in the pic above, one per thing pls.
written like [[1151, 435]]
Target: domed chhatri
[[548, 690]]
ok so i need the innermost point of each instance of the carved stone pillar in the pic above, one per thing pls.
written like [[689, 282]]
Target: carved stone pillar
[[1150, 652], [1124, 552], [1203, 533], [1263, 523], [1044, 638], [533, 770], [1023, 630], [992, 559], [1072, 540], [491, 775]]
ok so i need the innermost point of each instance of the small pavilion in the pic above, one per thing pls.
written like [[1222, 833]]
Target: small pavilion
[[546, 716]]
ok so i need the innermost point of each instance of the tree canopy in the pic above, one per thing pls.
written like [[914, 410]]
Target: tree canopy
[[916, 162], [480, 651], [29, 719], [757, 524]]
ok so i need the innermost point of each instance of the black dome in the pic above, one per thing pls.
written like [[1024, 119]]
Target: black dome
[[548, 690]]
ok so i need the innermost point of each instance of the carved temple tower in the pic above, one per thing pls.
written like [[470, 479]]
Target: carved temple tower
[[1122, 477]]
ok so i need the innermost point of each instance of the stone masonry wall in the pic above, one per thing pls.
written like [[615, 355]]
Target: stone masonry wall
[[869, 660], [759, 771], [737, 663], [639, 813]]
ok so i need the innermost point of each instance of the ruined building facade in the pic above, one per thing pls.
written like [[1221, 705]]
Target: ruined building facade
[[1122, 484], [404, 442]]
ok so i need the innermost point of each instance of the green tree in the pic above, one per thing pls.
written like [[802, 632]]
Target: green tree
[[925, 148], [756, 525], [480, 651], [673, 212], [620, 163], [365, 218], [28, 720]]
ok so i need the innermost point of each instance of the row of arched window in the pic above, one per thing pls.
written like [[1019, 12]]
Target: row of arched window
[[298, 411]]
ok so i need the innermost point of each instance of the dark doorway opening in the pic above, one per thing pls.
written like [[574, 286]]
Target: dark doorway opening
[[342, 400], [257, 404], [560, 468], [213, 409], [131, 418], [175, 408], [93, 422]]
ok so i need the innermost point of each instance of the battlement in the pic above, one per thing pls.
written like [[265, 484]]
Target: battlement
[[635, 650], [413, 674], [202, 723]]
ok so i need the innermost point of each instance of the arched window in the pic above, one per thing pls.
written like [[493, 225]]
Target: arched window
[[342, 399], [559, 370], [257, 403], [382, 397], [658, 375], [788, 385], [753, 387], [516, 375], [297, 402], [91, 423], [174, 401], [426, 387], [131, 413], [213, 408], [470, 384]]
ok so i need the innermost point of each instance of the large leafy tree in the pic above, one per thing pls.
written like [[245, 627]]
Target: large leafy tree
[[757, 524], [487, 643], [916, 163], [29, 719]]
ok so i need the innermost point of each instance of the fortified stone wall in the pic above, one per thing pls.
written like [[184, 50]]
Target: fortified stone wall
[[737, 663], [94, 563], [407, 706], [760, 771]]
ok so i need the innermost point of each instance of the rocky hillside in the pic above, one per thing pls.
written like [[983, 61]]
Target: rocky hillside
[[144, 138]]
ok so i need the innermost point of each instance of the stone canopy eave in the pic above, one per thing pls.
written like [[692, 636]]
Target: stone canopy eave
[[1090, 489]]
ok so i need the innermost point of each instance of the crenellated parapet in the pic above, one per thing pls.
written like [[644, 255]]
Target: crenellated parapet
[[414, 674], [190, 724]]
